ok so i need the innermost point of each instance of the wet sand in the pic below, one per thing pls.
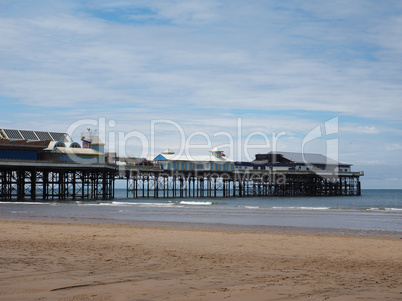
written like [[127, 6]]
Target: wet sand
[[75, 261]]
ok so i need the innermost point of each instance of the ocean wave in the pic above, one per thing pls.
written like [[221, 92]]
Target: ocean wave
[[93, 204], [127, 204], [394, 209], [25, 203], [252, 207], [143, 204], [195, 203], [302, 208], [384, 209]]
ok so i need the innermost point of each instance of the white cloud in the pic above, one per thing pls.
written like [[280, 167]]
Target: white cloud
[[394, 147], [204, 63], [153, 63], [188, 12], [370, 162], [359, 129]]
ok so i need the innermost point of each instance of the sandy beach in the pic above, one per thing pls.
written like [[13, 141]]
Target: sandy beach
[[76, 261]]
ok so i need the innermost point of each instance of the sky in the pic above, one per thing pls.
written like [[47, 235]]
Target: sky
[[246, 76]]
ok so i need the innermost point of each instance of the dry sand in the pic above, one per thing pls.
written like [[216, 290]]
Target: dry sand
[[76, 261]]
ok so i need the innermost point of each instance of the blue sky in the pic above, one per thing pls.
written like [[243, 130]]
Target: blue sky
[[279, 66]]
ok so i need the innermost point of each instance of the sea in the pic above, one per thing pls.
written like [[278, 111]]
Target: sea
[[375, 212]]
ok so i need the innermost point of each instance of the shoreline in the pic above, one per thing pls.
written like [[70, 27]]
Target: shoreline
[[374, 214], [53, 260], [211, 226]]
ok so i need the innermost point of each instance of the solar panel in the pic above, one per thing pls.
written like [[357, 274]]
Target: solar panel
[[13, 134], [29, 135], [43, 136], [58, 136]]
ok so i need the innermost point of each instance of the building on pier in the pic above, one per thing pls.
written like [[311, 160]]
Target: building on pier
[[75, 153], [215, 161], [22, 149], [293, 161], [49, 146]]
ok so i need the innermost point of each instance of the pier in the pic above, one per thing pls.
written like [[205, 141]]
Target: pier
[[38, 165], [143, 183], [39, 180]]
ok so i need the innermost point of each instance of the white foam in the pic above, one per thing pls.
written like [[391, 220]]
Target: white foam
[[314, 208], [94, 204], [123, 203], [127, 204], [394, 209], [155, 204], [24, 203], [302, 208], [385, 209], [195, 203], [143, 204]]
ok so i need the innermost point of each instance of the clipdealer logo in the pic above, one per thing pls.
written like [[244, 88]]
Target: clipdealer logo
[[239, 148]]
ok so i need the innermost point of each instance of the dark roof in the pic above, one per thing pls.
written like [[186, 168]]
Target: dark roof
[[306, 158], [23, 144]]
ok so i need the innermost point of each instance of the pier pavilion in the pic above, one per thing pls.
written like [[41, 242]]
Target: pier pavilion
[[215, 161]]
